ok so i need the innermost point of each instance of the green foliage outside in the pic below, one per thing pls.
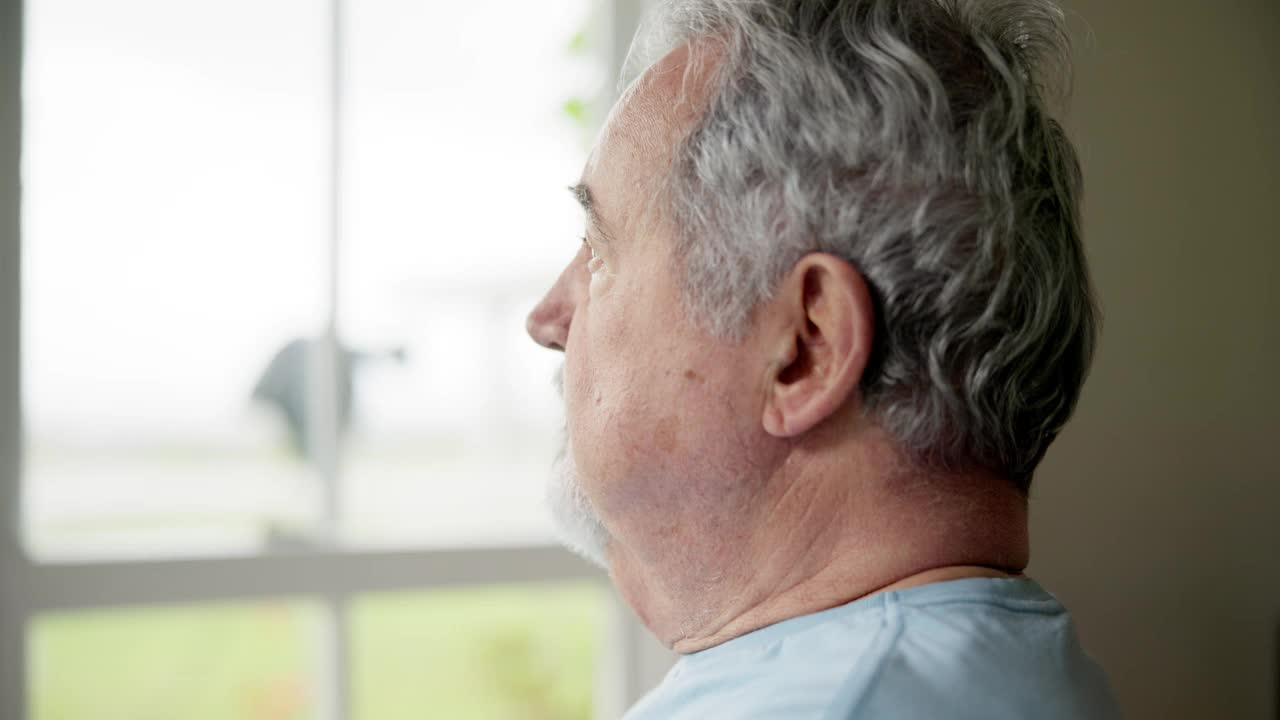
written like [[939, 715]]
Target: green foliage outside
[[507, 653], [517, 653], [584, 112], [201, 663]]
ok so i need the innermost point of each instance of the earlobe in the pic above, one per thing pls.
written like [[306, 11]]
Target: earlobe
[[822, 342], [775, 416]]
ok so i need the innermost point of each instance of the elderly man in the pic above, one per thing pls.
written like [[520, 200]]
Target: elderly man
[[830, 310]]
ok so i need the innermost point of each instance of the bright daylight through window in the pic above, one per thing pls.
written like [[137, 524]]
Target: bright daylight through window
[[215, 195], [177, 268]]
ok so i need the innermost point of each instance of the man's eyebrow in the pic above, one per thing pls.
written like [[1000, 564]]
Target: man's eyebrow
[[583, 195]]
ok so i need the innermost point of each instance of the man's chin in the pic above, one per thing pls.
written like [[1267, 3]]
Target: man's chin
[[577, 525]]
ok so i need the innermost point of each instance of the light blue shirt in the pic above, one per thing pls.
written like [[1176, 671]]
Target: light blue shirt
[[971, 649]]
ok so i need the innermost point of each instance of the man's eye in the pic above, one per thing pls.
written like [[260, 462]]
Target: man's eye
[[595, 262]]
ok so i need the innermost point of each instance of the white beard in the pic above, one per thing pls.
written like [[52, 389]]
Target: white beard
[[576, 522], [577, 525]]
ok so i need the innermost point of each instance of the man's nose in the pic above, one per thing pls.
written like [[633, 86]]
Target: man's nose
[[548, 322]]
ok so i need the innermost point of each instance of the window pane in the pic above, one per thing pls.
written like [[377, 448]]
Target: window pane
[[201, 663], [495, 653], [463, 134], [174, 239]]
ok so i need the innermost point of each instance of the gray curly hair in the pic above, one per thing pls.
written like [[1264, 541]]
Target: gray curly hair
[[912, 138]]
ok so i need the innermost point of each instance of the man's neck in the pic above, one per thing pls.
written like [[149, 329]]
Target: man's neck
[[827, 535]]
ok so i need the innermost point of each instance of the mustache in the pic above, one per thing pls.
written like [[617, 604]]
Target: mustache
[[557, 380]]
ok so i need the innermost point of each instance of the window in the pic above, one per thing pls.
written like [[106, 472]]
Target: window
[[237, 661], [192, 148], [274, 264], [505, 651]]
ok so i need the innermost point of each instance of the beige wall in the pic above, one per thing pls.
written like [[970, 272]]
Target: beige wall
[[1157, 514]]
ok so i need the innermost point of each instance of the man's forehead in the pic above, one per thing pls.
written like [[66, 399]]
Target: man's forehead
[[661, 104], [652, 114]]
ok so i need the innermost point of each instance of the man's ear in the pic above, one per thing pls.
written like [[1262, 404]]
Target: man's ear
[[822, 324]]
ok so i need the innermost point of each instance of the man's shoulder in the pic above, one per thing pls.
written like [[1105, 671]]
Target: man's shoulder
[[788, 670], [986, 649], [967, 648]]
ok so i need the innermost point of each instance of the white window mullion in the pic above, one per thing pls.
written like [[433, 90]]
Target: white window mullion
[[65, 587], [333, 667], [321, 374], [333, 651], [322, 405]]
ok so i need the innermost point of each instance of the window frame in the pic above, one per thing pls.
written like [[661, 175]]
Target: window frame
[[631, 661]]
